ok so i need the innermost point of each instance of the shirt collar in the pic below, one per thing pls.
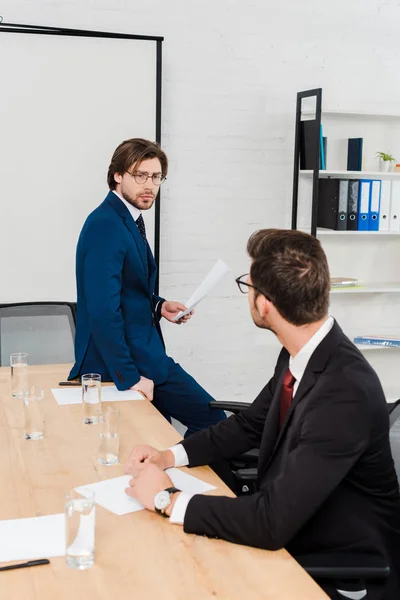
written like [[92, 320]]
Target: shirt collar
[[298, 364], [135, 212]]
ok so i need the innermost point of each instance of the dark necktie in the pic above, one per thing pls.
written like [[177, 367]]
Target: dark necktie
[[286, 394], [141, 227]]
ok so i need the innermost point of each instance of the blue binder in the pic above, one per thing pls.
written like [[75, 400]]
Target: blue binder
[[363, 204], [374, 205]]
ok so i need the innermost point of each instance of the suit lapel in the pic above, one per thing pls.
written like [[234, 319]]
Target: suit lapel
[[273, 433], [131, 225], [306, 384], [152, 268]]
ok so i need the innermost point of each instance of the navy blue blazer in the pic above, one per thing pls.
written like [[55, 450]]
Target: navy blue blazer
[[117, 332]]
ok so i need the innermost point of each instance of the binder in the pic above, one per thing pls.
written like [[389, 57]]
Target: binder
[[354, 154], [374, 204], [363, 204], [342, 205], [394, 219], [384, 211], [308, 145], [322, 165], [328, 203], [352, 205]]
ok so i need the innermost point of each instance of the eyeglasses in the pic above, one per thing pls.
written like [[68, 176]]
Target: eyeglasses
[[142, 177], [244, 286]]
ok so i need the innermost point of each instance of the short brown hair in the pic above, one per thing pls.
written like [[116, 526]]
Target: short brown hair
[[291, 268], [133, 152]]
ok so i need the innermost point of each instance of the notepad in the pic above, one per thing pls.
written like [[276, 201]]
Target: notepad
[[111, 493], [109, 393], [29, 539]]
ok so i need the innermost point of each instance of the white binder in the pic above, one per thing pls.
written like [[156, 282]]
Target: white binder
[[395, 207], [384, 212]]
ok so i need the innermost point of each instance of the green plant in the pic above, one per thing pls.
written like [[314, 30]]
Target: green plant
[[385, 157]]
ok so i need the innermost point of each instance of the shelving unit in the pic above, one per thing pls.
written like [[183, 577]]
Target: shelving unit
[[352, 113], [369, 288], [371, 307], [321, 232], [353, 174]]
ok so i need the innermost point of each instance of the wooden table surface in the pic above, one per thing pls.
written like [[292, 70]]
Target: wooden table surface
[[139, 555]]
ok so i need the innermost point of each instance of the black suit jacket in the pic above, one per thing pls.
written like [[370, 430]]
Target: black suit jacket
[[326, 480]]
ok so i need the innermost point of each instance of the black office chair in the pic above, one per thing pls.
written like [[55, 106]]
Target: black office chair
[[348, 572], [45, 330]]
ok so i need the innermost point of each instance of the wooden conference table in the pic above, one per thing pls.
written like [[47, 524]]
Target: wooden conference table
[[139, 555]]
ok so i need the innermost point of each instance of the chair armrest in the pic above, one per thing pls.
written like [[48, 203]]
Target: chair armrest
[[346, 565], [234, 407], [249, 474], [245, 460]]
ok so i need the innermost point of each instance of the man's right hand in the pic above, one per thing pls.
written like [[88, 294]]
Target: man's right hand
[[146, 386], [164, 459]]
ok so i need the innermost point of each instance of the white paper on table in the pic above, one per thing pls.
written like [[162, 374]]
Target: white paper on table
[[211, 280], [109, 393], [30, 539], [111, 493]]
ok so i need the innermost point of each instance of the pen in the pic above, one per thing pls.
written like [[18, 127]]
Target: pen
[[69, 383], [31, 563]]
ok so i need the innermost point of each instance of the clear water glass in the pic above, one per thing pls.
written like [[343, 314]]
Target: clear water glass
[[19, 374], [33, 413], [80, 528], [91, 397], [108, 453]]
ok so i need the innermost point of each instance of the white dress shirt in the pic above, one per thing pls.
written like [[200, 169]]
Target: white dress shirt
[[297, 366]]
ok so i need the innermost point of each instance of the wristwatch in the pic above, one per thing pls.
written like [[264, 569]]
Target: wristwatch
[[163, 499]]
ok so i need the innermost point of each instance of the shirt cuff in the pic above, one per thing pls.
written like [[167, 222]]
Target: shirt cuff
[[157, 310], [180, 455], [180, 506]]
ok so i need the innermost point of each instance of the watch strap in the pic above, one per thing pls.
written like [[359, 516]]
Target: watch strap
[[171, 491]]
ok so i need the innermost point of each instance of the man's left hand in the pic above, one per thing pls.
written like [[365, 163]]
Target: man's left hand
[[169, 310], [147, 481]]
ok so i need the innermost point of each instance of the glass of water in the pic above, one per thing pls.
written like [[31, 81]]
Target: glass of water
[[19, 374], [91, 397], [108, 436], [80, 528], [33, 413]]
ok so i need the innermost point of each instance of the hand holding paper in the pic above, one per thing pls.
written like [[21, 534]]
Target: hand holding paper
[[212, 279]]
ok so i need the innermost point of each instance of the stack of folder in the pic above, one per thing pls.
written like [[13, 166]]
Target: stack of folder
[[359, 204], [373, 340]]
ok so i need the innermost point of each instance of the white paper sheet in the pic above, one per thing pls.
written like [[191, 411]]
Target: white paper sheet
[[109, 393], [29, 539], [211, 280], [111, 493]]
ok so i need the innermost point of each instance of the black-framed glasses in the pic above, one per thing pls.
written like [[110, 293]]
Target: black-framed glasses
[[244, 286], [142, 177]]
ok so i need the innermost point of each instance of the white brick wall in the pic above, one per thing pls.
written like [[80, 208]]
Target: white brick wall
[[231, 72]]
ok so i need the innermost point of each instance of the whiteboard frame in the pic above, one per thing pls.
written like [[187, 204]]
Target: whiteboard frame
[[62, 31]]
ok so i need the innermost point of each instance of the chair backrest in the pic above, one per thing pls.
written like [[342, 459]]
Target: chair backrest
[[45, 330], [394, 435]]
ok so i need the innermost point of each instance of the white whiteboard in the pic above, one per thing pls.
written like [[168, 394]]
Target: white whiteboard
[[65, 105]]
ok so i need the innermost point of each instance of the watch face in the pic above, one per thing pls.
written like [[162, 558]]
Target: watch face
[[162, 500]]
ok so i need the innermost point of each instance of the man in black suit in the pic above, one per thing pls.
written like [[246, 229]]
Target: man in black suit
[[326, 478]]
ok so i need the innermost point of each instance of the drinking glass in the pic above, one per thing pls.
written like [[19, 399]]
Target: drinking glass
[[91, 397], [33, 413], [108, 436], [80, 528], [19, 374]]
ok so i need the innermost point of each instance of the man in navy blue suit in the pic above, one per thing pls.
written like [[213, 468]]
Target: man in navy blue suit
[[117, 332]]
